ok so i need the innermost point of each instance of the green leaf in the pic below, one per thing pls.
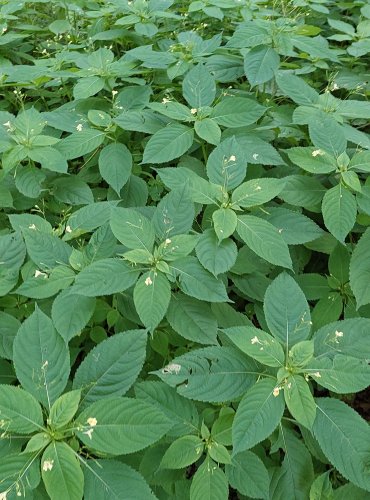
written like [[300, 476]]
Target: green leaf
[[287, 311], [18, 472], [339, 210], [294, 227], [174, 214], [226, 165], [264, 239], [182, 452], [121, 359], [64, 409], [182, 412], [80, 143], [214, 255], [257, 416], [88, 86], [41, 358], [108, 479], [72, 191], [299, 400], [234, 112], [261, 64], [168, 143], [342, 374], [9, 325], [195, 281], [208, 130], [296, 474], [257, 344], [115, 164], [347, 337], [199, 87], [19, 410], [321, 488], [132, 229], [192, 319], [61, 472], [209, 483], [71, 312], [297, 89], [310, 159], [41, 285], [214, 374], [359, 271], [120, 426], [152, 294], [344, 436], [224, 222], [256, 192], [105, 277], [248, 474], [327, 134]]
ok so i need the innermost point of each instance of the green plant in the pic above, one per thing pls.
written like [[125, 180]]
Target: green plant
[[184, 249]]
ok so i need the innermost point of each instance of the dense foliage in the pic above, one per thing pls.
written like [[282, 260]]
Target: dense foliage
[[184, 249]]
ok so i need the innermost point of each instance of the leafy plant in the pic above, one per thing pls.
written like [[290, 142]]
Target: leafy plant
[[184, 249]]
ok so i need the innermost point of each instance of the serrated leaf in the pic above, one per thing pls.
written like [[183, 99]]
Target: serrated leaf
[[209, 483], [344, 436], [19, 411], [115, 164], [41, 358], [61, 472], [71, 312], [64, 409], [224, 222], [195, 281], [192, 319], [256, 192], [260, 64], [359, 270], [248, 474], [132, 229], [199, 87], [214, 374], [299, 400], [152, 294], [234, 112], [168, 143], [257, 344], [107, 479], [120, 426], [214, 255], [339, 210], [105, 277], [264, 239], [227, 165], [258, 414], [182, 452], [287, 311], [120, 357]]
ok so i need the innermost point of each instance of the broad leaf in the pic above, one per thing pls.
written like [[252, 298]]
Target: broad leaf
[[19, 411], [152, 294], [168, 143]]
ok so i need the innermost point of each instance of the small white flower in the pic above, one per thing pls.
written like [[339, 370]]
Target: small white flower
[[79, 127], [114, 92], [255, 156], [32, 226], [276, 392], [316, 374], [317, 152], [39, 273], [68, 229], [7, 124], [193, 111], [89, 433], [167, 242], [335, 86], [255, 340], [232, 158], [148, 281], [4, 29], [92, 421], [338, 334], [3, 495], [165, 100], [172, 368], [47, 465]]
